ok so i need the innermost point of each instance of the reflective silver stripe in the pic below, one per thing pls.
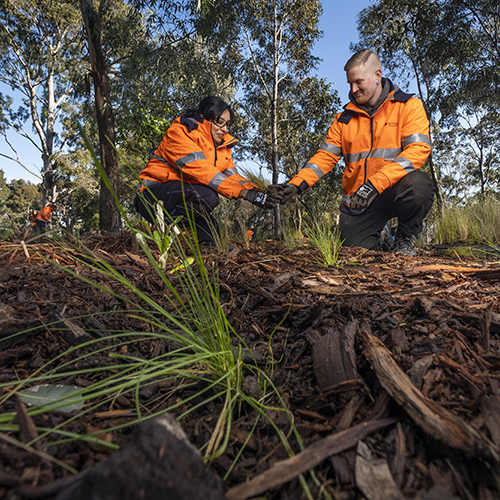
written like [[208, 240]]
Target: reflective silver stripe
[[346, 199], [413, 138], [197, 155], [159, 158], [406, 164], [386, 154], [216, 181], [230, 171], [353, 158], [147, 183], [331, 148], [315, 169]]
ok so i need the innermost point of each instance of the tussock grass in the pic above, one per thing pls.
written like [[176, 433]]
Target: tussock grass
[[206, 354], [478, 222], [326, 238]]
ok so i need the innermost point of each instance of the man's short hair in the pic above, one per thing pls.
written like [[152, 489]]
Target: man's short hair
[[360, 58]]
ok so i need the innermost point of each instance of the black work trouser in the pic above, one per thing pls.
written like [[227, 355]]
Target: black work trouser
[[195, 201], [409, 200]]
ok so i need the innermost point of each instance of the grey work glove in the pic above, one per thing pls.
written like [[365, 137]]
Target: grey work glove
[[260, 199], [283, 192], [364, 196]]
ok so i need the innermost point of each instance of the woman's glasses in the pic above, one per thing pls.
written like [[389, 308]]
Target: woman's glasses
[[221, 123]]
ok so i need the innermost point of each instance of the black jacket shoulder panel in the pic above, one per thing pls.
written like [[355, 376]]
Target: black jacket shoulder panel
[[346, 116], [401, 96]]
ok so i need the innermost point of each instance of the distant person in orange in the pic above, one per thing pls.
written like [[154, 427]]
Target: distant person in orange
[[32, 218], [42, 219], [249, 235]]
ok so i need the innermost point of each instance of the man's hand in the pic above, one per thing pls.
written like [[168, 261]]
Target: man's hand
[[260, 199], [364, 196], [283, 192]]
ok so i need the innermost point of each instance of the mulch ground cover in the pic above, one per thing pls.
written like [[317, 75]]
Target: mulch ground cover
[[389, 365]]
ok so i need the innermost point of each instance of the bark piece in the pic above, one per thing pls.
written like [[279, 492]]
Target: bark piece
[[157, 462], [373, 476], [334, 359], [286, 470], [431, 417], [280, 281], [490, 409], [485, 328], [419, 369]]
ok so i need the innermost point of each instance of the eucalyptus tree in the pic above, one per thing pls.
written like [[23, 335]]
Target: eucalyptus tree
[[24, 196], [402, 34], [136, 66], [279, 37], [479, 134], [470, 34], [471, 99], [40, 58], [451, 49]]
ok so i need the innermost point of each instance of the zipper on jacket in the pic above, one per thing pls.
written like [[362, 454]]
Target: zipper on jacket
[[215, 154], [371, 148]]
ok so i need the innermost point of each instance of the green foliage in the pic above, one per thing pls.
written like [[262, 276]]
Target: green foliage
[[24, 197], [162, 235]]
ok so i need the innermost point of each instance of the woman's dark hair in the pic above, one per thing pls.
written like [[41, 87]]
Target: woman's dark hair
[[211, 108]]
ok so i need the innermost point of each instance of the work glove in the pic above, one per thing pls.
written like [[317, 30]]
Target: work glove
[[261, 200], [364, 196], [283, 192]]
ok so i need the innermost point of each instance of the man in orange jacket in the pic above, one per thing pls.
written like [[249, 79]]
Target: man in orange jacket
[[383, 135], [42, 219], [192, 166]]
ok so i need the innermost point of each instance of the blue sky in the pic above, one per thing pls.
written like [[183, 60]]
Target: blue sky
[[338, 23]]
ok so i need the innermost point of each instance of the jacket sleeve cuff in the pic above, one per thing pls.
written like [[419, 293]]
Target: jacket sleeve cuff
[[300, 185]]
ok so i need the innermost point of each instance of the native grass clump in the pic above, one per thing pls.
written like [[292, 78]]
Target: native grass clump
[[206, 354], [325, 237], [477, 222]]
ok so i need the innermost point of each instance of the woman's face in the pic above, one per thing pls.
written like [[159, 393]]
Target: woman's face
[[220, 126]]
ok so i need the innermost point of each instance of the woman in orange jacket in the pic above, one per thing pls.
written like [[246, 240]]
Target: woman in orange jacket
[[192, 166], [383, 135]]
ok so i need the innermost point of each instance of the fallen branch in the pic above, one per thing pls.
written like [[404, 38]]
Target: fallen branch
[[427, 414], [286, 470]]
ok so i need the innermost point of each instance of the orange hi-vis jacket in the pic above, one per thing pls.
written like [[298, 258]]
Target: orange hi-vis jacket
[[44, 214], [381, 148], [191, 156]]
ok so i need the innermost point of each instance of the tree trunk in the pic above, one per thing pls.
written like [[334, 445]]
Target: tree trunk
[[432, 166], [274, 125], [109, 215]]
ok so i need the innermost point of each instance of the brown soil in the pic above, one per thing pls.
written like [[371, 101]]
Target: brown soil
[[344, 341]]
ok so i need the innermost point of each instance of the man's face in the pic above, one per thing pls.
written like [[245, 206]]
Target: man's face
[[363, 82]]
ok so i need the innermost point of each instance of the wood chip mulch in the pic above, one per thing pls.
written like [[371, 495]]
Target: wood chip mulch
[[389, 366]]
